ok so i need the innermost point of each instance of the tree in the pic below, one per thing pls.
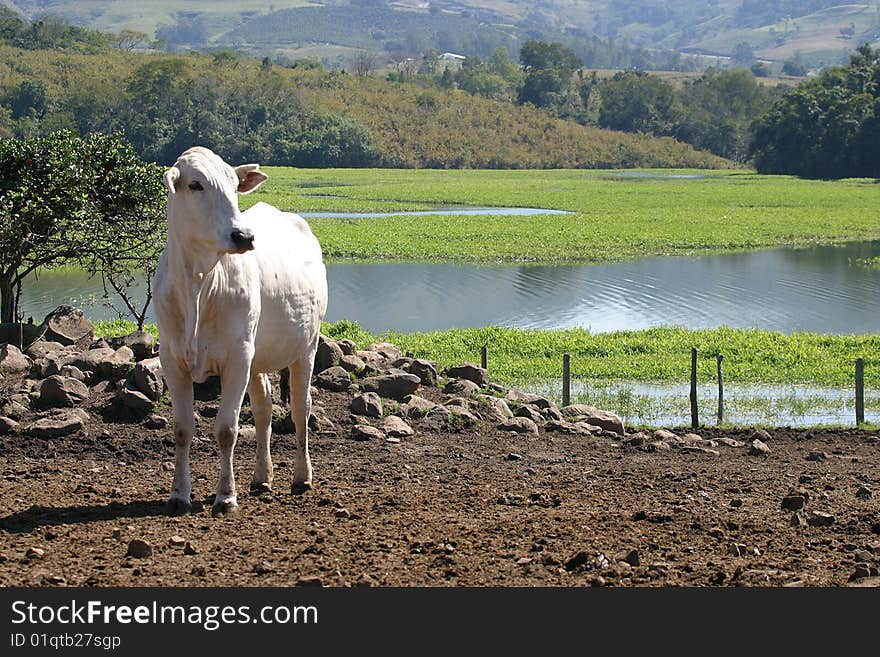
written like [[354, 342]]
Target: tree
[[548, 71], [363, 62], [634, 101], [64, 199]]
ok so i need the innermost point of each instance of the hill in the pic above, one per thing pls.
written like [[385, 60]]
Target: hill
[[814, 31]]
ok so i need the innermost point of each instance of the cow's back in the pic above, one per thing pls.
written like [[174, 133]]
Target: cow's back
[[293, 286]]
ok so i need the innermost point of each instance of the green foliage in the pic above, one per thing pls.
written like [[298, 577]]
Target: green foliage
[[64, 199], [634, 101], [828, 127]]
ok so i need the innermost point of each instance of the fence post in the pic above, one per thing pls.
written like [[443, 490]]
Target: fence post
[[720, 391], [484, 357], [695, 420], [860, 391], [566, 379]]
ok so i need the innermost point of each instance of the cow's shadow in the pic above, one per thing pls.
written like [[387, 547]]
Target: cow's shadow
[[45, 516]]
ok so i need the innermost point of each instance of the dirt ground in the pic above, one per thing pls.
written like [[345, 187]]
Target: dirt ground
[[475, 508]]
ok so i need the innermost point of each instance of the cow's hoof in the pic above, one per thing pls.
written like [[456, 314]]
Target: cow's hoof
[[298, 488], [260, 488], [177, 506], [224, 508]]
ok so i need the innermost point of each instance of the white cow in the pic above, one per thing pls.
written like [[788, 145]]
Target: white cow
[[238, 294]]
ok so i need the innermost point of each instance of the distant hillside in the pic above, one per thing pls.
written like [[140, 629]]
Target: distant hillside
[[814, 31], [302, 116]]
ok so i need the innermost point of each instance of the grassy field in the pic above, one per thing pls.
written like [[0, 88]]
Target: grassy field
[[614, 215]]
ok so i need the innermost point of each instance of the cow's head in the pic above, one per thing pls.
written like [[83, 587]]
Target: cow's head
[[202, 201]]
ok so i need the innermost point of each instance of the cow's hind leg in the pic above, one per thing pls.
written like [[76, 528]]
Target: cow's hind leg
[[181, 391], [301, 408], [260, 392], [233, 382]]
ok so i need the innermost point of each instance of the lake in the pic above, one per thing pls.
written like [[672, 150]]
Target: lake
[[816, 289]]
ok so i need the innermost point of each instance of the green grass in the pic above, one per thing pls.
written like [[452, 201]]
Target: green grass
[[612, 218]]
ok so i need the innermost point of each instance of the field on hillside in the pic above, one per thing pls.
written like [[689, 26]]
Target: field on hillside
[[614, 215]]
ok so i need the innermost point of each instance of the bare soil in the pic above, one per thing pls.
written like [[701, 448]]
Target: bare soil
[[479, 507]]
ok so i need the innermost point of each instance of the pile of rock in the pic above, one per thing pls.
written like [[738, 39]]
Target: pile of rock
[[62, 366]]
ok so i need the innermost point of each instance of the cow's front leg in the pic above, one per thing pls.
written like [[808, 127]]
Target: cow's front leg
[[181, 391], [233, 382]]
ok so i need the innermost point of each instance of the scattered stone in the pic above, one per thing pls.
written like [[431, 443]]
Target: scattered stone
[[364, 432], [177, 541], [73, 372], [352, 364], [519, 425], [632, 558], [798, 519], [42, 348], [665, 434], [368, 404], [147, 378], [604, 419], [12, 361], [190, 549], [461, 388], [139, 549], [759, 448], [863, 493], [34, 553], [469, 372], [415, 407], [528, 398], [349, 348], [105, 362], [141, 344], [568, 428], [386, 350], [513, 456], [134, 399], [636, 439], [333, 378], [263, 568], [329, 355], [56, 426], [820, 519], [8, 425], [817, 455], [310, 580], [395, 427], [862, 571], [736, 549], [530, 412], [425, 370], [762, 435], [58, 390], [156, 422], [68, 326], [728, 442], [693, 449], [462, 419], [392, 386], [736, 503], [692, 439], [577, 560], [795, 500]]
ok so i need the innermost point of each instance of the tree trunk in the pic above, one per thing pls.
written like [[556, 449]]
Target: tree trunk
[[7, 299]]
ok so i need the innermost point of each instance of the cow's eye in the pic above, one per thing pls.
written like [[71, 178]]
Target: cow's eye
[[196, 186]]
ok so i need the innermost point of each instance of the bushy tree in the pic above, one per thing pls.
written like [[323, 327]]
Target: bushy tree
[[64, 199], [634, 101]]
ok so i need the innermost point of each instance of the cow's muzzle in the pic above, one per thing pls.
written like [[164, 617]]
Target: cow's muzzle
[[243, 240]]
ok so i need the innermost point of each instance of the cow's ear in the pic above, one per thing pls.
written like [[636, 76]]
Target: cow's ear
[[170, 179], [249, 177]]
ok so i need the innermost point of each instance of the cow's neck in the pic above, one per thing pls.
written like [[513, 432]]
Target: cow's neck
[[195, 272]]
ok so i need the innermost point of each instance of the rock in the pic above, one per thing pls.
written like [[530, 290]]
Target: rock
[[458, 402], [632, 558], [415, 407], [862, 571], [728, 442], [134, 399], [469, 372], [820, 519], [12, 361], [333, 378], [462, 419], [67, 325], [105, 362], [329, 355], [155, 422], [863, 493], [530, 412], [368, 404], [349, 348], [664, 434], [527, 398], [604, 419], [146, 377], [139, 549], [461, 388], [395, 427], [497, 409], [62, 391], [190, 549], [364, 432], [15, 409], [513, 456], [177, 541], [8, 425], [692, 439], [798, 519], [568, 428], [762, 435], [519, 425], [34, 553], [56, 426], [141, 344], [392, 386], [352, 364], [425, 370], [386, 350], [553, 413], [73, 372], [309, 580], [636, 439], [795, 500], [42, 348], [263, 568], [817, 455], [759, 448], [20, 334], [371, 358]]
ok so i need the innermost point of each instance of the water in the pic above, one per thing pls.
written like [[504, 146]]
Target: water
[[787, 290]]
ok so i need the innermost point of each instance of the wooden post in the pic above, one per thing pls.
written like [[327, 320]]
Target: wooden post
[[695, 419], [566, 379], [860, 391], [484, 357], [720, 391]]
